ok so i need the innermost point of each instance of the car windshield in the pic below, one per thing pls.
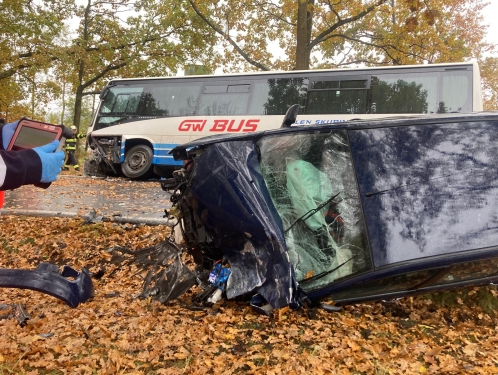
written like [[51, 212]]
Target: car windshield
[[312, 185]]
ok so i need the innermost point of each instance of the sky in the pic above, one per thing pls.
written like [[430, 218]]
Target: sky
[[490, 13]]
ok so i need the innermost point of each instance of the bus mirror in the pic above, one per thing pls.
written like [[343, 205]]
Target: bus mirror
[[290, 116], [103, 92]]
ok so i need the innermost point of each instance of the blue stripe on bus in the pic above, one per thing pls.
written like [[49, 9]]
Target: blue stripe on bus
[[121, 152], [161, 156]]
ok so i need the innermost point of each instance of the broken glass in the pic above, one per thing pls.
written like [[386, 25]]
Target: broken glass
[[311, 181]]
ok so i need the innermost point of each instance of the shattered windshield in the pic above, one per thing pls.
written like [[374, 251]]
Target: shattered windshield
[[311, 182]]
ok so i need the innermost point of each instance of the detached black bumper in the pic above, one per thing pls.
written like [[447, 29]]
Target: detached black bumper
[[68, 285]]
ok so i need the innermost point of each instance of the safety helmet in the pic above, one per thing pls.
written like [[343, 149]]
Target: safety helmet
[[73, 127]]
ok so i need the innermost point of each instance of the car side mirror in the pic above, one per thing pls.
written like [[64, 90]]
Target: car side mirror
[[290, 116]]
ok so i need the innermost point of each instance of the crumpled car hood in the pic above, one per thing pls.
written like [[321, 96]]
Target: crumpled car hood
[[249, 230]]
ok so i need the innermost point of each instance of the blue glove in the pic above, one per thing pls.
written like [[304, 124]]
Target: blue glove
[[51, 161], [8, 131]]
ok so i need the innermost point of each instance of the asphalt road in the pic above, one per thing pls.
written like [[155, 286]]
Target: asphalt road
[[113, 199]]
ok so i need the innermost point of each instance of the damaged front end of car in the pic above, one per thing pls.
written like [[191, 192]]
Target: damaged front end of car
[[244, 235], [270, 234]]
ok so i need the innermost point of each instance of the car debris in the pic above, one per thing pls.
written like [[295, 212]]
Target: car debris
[[68, 285], [168, 277], [22, 315], [350, 212], [17, 311], [46, 335], [92, 217]]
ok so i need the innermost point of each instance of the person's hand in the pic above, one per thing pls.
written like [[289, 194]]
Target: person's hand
[[8, 131], [52, 162]]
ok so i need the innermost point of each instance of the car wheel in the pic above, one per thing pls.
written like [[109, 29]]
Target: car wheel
[[138, 162]]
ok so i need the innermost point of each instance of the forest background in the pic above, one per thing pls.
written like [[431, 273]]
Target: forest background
[[56, 55]]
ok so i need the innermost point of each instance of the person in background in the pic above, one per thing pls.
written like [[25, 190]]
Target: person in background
[[29, 166], [70, 147]]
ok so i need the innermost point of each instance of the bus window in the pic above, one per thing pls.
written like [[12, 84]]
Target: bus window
[[334, 96], [224, 100], [122, 100], [239, 88], [275, 96], [215, 89], [126, 103], [171, 99], [456, 92], [435, 92], [119, 105], [404, 93]]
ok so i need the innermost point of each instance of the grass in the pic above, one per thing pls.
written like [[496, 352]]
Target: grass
[[7, 247], [6, 368]]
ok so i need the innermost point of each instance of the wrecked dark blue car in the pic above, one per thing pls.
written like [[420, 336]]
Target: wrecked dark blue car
[[354, 211]]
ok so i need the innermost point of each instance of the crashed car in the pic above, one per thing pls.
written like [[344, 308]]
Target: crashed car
[[351, 212]]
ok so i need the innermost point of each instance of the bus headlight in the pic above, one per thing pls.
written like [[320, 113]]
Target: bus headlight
[[105, 141]]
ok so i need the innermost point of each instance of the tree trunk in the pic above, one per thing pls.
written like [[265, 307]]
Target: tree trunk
[[78, 100], [63, 99], [77, 107], [303, 35]]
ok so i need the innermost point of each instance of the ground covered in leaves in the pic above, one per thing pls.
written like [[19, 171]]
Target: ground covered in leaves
[[448, 333]]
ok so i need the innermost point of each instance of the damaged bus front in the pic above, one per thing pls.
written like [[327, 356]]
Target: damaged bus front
[[352, 212]]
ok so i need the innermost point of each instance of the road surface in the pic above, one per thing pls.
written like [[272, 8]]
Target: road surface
[[115, 199]]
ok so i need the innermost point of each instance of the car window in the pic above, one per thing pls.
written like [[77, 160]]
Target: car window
[[312, 185], [427, 190]]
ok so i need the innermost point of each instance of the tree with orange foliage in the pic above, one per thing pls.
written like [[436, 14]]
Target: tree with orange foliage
[[324, 33]]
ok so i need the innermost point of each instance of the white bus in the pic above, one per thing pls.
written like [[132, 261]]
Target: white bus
[[139, 120]]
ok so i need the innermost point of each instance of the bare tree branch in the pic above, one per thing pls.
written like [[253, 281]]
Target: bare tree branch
[[227, 38], [387, 48], [323, 35], [280, 17]]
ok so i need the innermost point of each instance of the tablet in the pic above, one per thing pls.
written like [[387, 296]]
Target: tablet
[[31, 134]]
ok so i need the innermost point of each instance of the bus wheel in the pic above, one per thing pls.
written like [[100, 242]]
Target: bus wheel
[[138, 162]]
